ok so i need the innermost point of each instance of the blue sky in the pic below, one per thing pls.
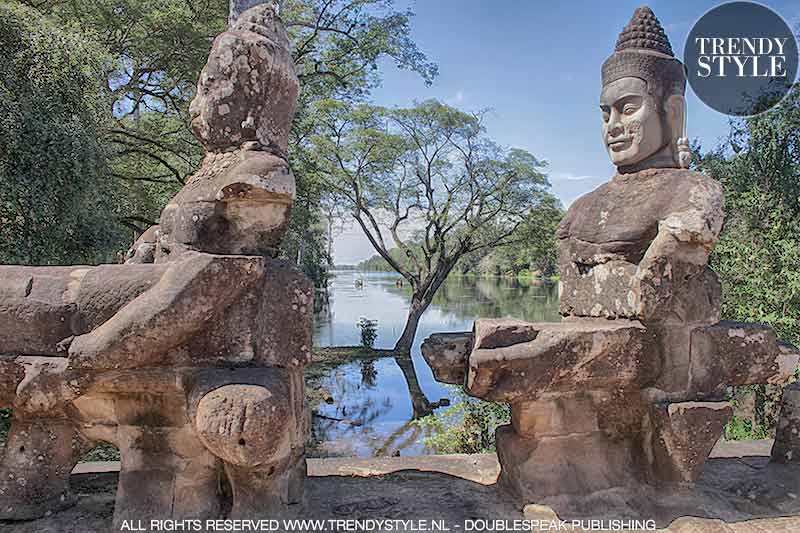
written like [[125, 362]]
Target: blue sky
[[537, 65]]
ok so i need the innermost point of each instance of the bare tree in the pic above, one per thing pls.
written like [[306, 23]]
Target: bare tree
[[427, 187]]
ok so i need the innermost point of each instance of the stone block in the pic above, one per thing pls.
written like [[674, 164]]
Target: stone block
[[534, 469], [734, 353], [34, 472], [580, 355], [38, 308], [11, 374], [683, 436], [601, 290], [786, 448], [502, 332], [446, 355]]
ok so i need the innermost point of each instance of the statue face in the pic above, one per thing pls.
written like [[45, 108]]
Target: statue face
[[632, 126], [246, 92]]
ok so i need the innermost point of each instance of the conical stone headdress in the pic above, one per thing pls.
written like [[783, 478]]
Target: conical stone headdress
[[643, 51]]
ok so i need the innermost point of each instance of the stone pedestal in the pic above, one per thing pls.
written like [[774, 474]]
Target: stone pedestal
[[39, 455], [787, 435]]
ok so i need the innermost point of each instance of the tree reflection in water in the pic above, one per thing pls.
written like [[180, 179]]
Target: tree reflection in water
[[375, 401]]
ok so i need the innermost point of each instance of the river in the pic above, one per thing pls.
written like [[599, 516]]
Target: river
[[372, 408]]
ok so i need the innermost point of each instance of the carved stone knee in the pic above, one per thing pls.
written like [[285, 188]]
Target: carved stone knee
[[250, 424], [245, 424]]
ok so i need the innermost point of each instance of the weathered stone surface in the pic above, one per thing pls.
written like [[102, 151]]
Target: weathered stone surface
[[553, 414], [502, 332], [735, 353], [166, 473], [646, 263], [11, 374], [283, 326], [37, 308], [239, 202], [237, 422], [176, 308], [446, 354], [585, 355], [105, 289], [34, 475], [691, 524], [190, 357], [787, 434], [248, 89], [534, 469], [144, 249], [43, 391], [683, 437]]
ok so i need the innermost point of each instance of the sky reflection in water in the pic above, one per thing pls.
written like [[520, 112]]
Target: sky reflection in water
[[372, 397]]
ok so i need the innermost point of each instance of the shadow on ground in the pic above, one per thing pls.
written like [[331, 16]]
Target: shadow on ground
[[734, 494]]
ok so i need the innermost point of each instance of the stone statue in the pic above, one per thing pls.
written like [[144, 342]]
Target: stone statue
[[190, 357], [629, 388]]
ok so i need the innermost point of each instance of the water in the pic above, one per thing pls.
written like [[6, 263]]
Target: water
[[372, 405]]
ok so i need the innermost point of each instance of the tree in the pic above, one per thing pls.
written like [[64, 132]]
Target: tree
[[337, 47], [53, 197], [758, 254], [156, 49], [429, 182]]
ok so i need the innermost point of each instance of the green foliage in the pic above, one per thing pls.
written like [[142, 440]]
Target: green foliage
[[532, 256], [103, 452], [369, 332], [467, 426], [742, 429], [54, 198], [429, 177], [152, 54], [758, 254]]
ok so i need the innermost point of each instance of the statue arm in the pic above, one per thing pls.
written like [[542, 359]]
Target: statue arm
[[679, 251], [186, 298]]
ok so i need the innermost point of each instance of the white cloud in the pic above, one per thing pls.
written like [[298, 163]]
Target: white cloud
[[559, 176], [568, 186]]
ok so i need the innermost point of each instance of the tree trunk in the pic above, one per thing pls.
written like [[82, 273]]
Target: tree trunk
[[419, 402], [418, 306], [237, 7]]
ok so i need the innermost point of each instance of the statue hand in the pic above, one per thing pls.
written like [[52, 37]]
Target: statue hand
[[84, 351]]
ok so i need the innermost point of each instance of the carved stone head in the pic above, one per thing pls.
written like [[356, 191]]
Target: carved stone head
[[642, 98], [248, 89]]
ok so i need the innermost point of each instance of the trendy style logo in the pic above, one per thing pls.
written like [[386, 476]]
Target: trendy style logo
[[741, 58]]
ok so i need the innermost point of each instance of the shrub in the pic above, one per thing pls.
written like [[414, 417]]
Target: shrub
[[467, 426], [369, 332]]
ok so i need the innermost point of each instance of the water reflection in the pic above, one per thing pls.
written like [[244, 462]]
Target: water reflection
[[375, 401]]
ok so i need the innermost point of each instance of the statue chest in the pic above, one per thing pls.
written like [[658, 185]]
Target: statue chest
[[618, 221]]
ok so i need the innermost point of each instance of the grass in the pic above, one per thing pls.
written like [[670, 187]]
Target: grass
[[326, 358]]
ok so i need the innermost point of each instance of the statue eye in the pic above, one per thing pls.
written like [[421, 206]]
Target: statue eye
[[629, 109]]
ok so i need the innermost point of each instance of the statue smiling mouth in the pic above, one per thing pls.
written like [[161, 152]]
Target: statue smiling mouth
[[619, 144]]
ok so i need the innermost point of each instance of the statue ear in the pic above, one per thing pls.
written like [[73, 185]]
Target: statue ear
[[675, 107]]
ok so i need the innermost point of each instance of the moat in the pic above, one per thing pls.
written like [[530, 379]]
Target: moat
[[371, 410]]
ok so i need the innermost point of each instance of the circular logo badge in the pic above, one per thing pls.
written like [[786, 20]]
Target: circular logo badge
[[741, 58]]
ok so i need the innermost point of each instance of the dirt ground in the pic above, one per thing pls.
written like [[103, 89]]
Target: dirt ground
[[740, 491]]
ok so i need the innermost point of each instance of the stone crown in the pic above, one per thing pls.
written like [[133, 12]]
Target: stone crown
[[643, 51], [644, 32]]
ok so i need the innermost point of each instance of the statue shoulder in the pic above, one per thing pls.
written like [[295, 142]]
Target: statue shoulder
[[697, 204], [581, 205]]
